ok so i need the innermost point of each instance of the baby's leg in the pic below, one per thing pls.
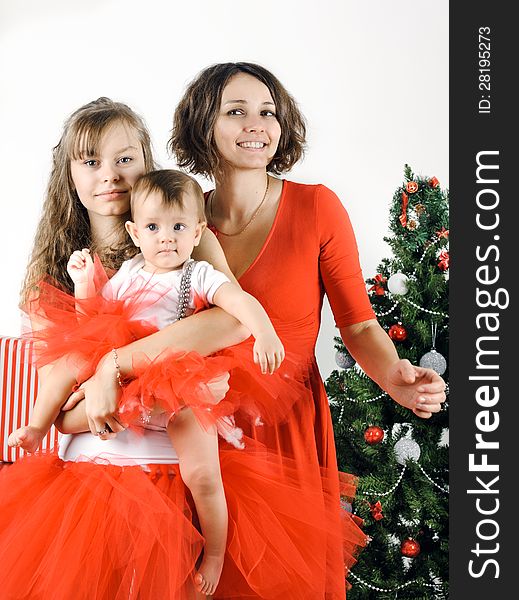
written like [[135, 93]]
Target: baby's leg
[[197, 451], [52, 394]]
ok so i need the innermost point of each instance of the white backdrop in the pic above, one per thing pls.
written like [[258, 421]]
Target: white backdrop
[[371, 77]]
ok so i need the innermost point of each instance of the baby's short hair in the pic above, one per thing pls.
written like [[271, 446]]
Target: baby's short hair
[[171, 185]]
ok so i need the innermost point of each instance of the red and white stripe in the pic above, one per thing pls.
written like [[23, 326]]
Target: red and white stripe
[[18, 388]]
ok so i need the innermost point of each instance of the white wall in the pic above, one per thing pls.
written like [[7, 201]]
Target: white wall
[[371, 78]]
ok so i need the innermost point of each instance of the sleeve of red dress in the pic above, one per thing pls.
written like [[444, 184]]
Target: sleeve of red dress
[[339, 261]]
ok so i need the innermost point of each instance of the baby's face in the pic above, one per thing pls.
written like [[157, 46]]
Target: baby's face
[[166, 235]]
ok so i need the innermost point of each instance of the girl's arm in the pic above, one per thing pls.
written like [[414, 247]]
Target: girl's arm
[[80, 268], [421, 390], [206, 333], [268, 349]]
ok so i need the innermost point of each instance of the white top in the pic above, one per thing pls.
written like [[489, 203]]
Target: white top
[[147, 446], [130, 279]]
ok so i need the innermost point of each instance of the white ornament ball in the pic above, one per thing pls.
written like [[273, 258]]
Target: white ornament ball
[[344, 360], [435, 361], [406, 448], [397, 284]]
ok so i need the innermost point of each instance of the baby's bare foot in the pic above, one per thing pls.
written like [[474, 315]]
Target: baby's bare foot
[[28, 438], [208, 576], [200, 596]]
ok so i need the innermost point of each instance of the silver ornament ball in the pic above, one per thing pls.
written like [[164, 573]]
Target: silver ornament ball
[[344, 360], [397, 284], [405, 449], [435, 361]]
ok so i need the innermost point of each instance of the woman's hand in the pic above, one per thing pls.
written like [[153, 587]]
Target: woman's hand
[[102, 393], [421, 390]]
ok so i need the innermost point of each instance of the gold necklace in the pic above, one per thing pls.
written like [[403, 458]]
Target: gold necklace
[[254, 215]]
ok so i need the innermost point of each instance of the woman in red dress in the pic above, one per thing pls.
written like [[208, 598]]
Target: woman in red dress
[[288, 244]]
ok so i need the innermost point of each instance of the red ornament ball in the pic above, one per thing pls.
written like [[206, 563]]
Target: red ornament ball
[[411, 187], [397, 333], [373, 435], [410, 548]]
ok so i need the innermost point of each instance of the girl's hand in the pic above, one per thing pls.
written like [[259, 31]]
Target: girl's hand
[[421, 390], [268, 352], [102, 393], [80, 267]]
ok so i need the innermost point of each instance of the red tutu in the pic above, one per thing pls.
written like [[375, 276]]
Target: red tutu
[[91, 530], [86, 330], [286, 527], [85, 530], [175, 380], [279, 529]]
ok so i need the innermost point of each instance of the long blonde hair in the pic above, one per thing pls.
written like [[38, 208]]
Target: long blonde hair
[[64, 225]]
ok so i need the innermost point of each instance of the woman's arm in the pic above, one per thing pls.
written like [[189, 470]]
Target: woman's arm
[[209, 249], [421, 390]]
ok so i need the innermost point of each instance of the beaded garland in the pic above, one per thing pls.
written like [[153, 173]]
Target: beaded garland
[[185, 288]]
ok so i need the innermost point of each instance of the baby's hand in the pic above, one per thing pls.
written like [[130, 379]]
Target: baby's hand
[[80, 266], [268, 352]]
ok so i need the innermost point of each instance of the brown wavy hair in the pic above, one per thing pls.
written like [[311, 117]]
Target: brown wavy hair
[[192, 136], [64, 224]]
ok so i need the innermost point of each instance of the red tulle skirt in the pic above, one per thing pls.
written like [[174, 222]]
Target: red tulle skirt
[[85, 530], [288, 537], [83, 331], [88, 530]]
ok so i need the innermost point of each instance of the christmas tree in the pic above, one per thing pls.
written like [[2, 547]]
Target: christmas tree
[[401, 460]]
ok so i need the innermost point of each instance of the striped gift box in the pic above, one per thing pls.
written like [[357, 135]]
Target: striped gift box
[[18, 387]]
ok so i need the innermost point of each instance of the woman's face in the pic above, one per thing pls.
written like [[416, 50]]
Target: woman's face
[[246, 132], [103, 182]]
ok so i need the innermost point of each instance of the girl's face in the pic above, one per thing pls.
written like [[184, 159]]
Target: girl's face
[[246, 131], [103, 182], [166, 235]]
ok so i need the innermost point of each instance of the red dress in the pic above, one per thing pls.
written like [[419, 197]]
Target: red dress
[[310, 250], [93, 530]]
